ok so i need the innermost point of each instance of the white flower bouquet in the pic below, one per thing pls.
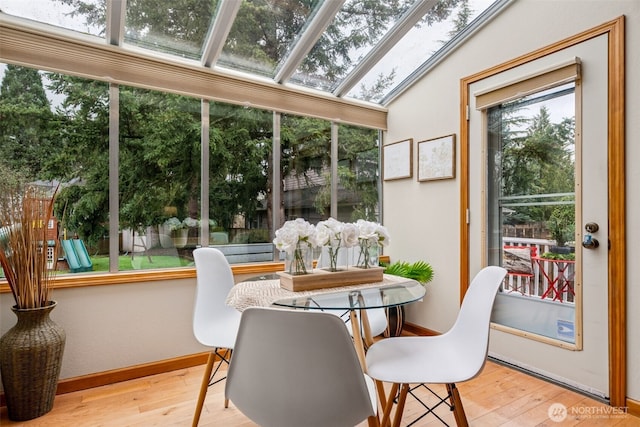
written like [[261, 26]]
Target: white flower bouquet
[[371, 235], [335, 235], [297, 238]]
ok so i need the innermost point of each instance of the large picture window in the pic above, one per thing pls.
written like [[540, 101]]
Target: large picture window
[[59, 129], [306, 168], [240, 145], [159, 170], [358, 174]]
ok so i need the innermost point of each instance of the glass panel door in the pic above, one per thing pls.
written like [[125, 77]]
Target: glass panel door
[[532, 211]]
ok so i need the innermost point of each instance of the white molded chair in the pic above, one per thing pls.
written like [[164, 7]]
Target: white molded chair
[[455, 356], [214, 323], [377, 318], [293, 368]]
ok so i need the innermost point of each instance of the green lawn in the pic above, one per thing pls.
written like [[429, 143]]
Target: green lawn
[[139, 262], [125, 263]]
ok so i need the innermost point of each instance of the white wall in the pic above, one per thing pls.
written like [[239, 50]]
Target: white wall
[[423, 218], [116, 326]]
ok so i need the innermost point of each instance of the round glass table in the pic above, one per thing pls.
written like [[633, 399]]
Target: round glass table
[[363, 299], [357, 302], [263, 291]]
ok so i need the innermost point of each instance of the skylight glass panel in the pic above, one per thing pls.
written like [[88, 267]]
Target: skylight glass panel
[[263, 33], [89, 18], [416, 47], [169, 26], [354, 56], [357, 28]]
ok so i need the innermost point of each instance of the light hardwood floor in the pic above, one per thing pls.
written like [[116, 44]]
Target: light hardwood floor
[[500, 396]]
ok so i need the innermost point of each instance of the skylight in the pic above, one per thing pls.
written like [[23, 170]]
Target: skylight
[[348, 48]]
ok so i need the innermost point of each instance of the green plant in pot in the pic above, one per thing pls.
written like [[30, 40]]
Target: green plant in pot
[[420, 271], [561, 225], [31, 351]]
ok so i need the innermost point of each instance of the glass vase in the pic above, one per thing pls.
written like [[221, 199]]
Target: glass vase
[[300, 260], [368, 256], [333, 258]]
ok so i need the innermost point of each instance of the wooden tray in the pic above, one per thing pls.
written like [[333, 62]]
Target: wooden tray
[[321, 279]]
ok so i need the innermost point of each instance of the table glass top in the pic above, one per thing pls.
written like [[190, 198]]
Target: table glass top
[[384, 296]]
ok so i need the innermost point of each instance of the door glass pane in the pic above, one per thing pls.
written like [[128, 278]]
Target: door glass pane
[[531, 192]]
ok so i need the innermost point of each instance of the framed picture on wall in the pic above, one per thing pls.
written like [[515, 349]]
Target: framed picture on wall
[[397, 160], [437, 158]]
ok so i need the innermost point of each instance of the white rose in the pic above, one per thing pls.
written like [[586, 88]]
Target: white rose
[[286, 239], [349, 235], [304, 229], [322, 235], [367, 230], [383, 235]]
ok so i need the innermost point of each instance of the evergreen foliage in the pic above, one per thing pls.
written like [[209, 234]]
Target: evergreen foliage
[[160, 134]]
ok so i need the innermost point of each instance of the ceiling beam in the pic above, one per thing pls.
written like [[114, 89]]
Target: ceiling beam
[[226, 14], [36, 45], [410, 18], [308, 38]]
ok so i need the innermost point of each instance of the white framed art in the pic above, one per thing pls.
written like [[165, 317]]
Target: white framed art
[[397, 160], [437, 158]]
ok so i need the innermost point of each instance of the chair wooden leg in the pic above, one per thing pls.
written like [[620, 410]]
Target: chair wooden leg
[[400, 408], [458, 409], [388, 404], [203, 388], [358, 340], [373, 421]]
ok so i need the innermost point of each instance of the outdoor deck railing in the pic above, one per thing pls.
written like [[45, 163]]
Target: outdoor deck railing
[[537, 286]]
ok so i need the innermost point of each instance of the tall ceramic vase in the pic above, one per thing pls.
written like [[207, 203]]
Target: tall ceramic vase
[[30, 360]]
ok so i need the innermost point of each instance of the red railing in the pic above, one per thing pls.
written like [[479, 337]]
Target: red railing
[[550, 279]]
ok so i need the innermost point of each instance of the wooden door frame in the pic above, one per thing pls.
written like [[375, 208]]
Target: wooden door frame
[[616, 187]]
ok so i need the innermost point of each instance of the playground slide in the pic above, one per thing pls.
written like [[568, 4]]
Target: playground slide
[[76, 255], [83, 256]]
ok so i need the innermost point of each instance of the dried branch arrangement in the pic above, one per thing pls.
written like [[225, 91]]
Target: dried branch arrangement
[[25, 211]]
